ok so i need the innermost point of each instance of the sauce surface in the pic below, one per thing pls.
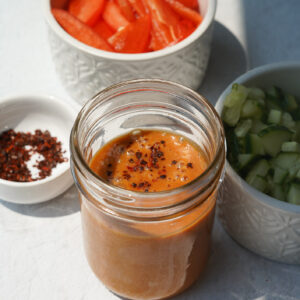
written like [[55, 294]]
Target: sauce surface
[[149, 161]]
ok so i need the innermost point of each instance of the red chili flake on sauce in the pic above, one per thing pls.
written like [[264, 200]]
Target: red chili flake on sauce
[[138, 155], [189, 165], [16, 149], [143, 162]]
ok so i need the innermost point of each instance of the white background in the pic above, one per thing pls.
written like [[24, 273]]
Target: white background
[[41, 253]]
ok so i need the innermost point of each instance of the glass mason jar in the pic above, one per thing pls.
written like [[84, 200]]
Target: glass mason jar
[[147, 245]]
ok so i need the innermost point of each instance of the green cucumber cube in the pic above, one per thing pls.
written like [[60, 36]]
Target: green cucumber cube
[[290, 147], [274, 116], [293, 195], [243, 127]]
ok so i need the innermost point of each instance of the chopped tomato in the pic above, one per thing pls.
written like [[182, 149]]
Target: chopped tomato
[[160, 35], [164, 21], [185, 12], [139, 6], [190, 3], [87, 11], [186, 28], [103, 29], [133, 38], [113, 17], [129, 26], [79, 30], [126, 10]]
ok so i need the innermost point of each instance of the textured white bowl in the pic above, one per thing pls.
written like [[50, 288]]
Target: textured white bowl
[[262, 224], [84, 70], [28, 113]]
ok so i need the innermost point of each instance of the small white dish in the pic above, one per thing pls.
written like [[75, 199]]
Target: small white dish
[[27, 113]]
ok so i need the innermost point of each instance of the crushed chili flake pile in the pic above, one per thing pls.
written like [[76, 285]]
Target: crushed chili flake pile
[[18, 148]]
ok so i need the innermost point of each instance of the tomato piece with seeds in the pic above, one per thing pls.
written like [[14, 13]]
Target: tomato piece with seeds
[[103, 29], [126, 10], [112, 15], [185, 11], [79, 30], [87, 11], [133, 38]]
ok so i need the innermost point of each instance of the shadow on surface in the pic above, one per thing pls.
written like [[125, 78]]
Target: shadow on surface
[[65, 204], [274, 34], [236, 273], [227, 61]]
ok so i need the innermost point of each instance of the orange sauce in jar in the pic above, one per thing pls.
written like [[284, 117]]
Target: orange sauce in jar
[[148, 260], [149, 161]]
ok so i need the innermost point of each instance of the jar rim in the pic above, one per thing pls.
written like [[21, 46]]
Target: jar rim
[[124, 193]]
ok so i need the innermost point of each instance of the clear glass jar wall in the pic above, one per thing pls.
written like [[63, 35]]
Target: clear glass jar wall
[[147, 245]]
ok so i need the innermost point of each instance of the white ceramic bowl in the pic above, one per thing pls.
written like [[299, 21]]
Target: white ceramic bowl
[[84, 70], [28, 113], [263, 224]]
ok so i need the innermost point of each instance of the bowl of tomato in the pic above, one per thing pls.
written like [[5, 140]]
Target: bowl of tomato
[[98, 43]]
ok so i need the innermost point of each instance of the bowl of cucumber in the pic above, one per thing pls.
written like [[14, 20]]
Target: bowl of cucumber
[[260, 196]]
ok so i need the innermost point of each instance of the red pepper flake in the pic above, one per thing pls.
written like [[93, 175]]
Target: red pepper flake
[[134, 185], [143, 162], [189, 165], [14, 154], [126, 176], [138, 154], [131, 160], [174, 162], [163, 176]]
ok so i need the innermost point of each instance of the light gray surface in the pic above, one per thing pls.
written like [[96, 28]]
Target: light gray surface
[[41, 246]]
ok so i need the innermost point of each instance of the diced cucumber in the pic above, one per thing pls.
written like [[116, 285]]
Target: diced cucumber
[[291, 103], [251, 109], [243, 127], [233, 146], [273, 103], [257, 126], [293, 170], [290, 147], [274, 116], [275, 92], [280, 175], [273, 137], [296, 114], [254, 144], [296, 135], [286, 160], [263, 137], [256, 93], [278, 192], [237, 96], [245, 159], [231, 115], [293, 195], [287, 120], [259, 183], [261, 168]]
